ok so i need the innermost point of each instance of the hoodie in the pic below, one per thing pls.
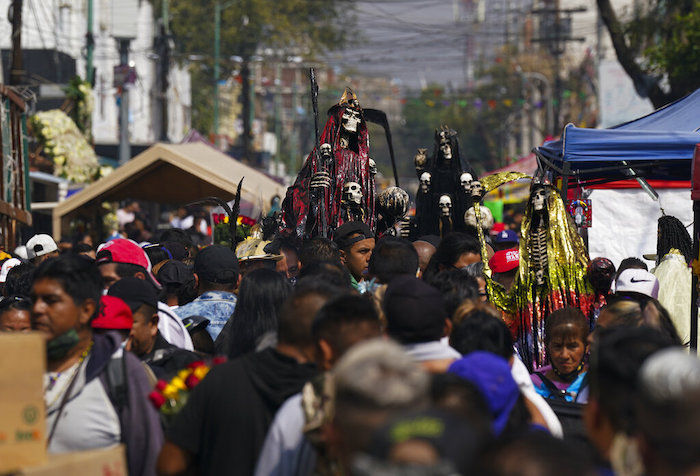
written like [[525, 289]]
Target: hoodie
[[228, 414]]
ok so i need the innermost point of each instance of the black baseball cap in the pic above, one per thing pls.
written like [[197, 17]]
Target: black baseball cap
[[217, 264], [174, 272], [415, 311], [134, 292], [343, 235]]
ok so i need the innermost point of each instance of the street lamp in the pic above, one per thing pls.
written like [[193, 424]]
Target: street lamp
[[217, 71], [548, 92]]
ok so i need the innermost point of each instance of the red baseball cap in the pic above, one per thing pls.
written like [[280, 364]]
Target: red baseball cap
[[504, 261], [114, 314], [121, 250]]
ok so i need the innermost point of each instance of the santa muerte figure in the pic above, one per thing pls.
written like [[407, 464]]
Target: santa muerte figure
[[551, 273], [444, 193], [336, 184]]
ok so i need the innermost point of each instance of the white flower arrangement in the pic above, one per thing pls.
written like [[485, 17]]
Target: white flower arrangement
[[72, 155]]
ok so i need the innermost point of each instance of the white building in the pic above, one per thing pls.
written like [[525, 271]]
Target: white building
[[61, 26]]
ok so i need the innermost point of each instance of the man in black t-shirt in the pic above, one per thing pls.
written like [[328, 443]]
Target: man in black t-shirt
[[222, 427]]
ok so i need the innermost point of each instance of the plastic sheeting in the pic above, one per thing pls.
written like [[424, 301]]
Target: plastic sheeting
[[625, 221]]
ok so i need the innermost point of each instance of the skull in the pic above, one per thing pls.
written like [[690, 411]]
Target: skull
[[466, 181], [352, 193], [538, 198], [477, 189], [372, 167], [351, 119], [446, 149], [445, 205], [539, 277], [425, 182], [326, 151]]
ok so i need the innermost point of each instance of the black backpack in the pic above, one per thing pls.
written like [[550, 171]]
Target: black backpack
[[570, 414]]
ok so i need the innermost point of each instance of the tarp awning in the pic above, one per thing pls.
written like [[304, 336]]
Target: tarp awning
[[659, 145], [173, 174]]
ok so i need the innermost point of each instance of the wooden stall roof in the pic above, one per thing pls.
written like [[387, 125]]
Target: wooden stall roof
[[175, 174]]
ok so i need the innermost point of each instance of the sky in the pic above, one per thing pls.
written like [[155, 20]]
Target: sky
[[414, 42]]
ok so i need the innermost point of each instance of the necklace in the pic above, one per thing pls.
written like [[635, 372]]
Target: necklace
[[571, 376], [54, 378]]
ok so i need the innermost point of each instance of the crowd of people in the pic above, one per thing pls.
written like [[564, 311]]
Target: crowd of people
[[356, 355]]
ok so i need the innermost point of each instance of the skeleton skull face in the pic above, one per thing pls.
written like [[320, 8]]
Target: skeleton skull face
[[538, 198], [445, 205], [352, 193], [466, 181], [351, 119], [477, 189], [326, 150], [446, 149], [372, 167], [425, 182]]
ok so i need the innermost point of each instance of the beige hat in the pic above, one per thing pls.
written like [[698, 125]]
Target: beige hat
[[254, 248]]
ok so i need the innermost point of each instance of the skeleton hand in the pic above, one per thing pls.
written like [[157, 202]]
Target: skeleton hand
[[320, 179], [404, 226]]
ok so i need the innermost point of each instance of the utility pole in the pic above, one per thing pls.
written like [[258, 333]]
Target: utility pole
[[124, 146], [17, 65], [556, 44], [90, 40], [278, 119], [163, 48]]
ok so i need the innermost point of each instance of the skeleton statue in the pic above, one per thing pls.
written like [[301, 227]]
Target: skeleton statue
[[425, 182], [445, 147], [372, 167], [465, 180], [445, 205], [477, 190], [538, 235], [351, 204], [349, 122]]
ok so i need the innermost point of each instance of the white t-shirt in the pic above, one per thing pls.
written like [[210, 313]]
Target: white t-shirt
[[88, 420]]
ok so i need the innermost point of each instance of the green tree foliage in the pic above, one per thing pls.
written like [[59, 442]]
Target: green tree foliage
[[659, 44], [296, 27], [482, 118]]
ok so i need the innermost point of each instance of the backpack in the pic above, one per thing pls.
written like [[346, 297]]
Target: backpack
[[570, 414]]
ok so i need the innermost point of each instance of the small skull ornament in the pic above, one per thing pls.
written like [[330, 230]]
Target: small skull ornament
[[372, 167], [425, 182], [477, 189], [326, 151], [538, 198], [445, 205], [465, 181], [352, 193], [351, 119]]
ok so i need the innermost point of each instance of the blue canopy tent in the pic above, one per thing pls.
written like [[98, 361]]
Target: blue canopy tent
[[657, 146]]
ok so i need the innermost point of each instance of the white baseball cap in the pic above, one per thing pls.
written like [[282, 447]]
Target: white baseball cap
[[7, 265], [637, 281], [40, 245]]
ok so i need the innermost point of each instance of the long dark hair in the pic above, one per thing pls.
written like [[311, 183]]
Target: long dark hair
[[260, 298], [673, 234]]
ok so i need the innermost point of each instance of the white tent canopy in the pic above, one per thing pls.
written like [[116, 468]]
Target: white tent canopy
[[171, 174]]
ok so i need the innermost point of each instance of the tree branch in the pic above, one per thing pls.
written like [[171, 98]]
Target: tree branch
[[627, 59]]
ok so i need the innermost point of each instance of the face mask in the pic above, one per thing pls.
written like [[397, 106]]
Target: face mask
[[58, 347]]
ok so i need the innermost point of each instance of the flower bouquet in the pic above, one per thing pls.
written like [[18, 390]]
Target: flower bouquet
[[170, 397]]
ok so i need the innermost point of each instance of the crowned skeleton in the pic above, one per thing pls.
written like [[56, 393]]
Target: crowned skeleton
[[336, 183], [446, 187]]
